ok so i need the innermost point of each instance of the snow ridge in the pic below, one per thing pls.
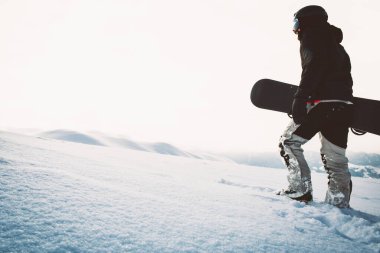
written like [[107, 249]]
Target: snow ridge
[[100, 139], [269, 159]]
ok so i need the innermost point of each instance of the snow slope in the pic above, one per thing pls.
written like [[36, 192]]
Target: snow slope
[[60, 196]]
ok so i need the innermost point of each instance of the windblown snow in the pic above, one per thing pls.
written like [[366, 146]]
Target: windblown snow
[[58, 196]]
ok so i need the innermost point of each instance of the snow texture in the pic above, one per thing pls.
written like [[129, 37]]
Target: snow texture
[[59, 196]]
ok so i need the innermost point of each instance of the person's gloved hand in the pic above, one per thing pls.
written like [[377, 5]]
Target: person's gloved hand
[[299, 110]]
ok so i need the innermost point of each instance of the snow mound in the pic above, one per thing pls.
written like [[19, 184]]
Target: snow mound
[[123, 143], [166, 149], [72, 136]]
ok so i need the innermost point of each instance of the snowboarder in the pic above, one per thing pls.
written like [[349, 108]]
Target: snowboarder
[[322, 104]]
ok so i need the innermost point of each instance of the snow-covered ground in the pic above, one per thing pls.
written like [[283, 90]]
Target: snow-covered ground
[[58, 196]]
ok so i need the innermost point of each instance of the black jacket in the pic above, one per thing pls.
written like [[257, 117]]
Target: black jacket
[[326, 67]]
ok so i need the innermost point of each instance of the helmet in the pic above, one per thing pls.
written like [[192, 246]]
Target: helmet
[[312, 14], [312, 11]]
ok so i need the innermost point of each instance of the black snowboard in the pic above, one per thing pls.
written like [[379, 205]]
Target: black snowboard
[[278, 96]]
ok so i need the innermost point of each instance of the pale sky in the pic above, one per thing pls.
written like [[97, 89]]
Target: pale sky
[[169, 70]]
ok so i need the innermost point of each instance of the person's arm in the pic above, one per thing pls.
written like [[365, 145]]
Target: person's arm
[[314, 65], [314, 68]]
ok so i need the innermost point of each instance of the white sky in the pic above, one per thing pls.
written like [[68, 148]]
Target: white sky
[[168, 70]]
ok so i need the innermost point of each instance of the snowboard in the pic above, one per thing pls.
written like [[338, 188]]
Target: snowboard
[[278, 96]]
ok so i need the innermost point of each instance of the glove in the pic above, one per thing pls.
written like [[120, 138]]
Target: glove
[[299, 111]]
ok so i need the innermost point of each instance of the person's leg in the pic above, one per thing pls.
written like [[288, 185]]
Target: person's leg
[[298, 170], [293, 138], [336, 165], [333, 138]]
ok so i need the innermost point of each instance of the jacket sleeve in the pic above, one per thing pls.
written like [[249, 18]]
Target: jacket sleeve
[[314, 66]]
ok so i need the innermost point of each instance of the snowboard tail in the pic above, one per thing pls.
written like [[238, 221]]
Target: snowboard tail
[[278, 96]]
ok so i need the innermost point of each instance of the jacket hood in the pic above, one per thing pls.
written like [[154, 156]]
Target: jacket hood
[[322, 30], [337, 33]]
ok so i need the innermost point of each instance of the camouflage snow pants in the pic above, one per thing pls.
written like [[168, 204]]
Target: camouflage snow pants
[[331, 120]]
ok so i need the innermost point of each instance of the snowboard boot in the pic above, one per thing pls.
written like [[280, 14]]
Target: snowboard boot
[[301, 197]]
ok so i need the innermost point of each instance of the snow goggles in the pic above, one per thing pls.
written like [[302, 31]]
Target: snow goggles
[[296, 25]]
